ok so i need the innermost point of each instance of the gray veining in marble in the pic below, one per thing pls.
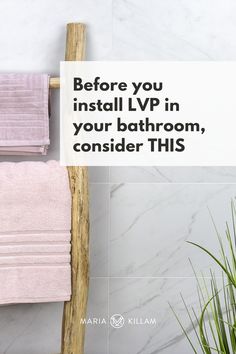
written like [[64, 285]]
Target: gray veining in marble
[[157, 222]]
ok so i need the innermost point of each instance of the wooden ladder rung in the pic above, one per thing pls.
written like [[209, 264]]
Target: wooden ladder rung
[[54, 82]]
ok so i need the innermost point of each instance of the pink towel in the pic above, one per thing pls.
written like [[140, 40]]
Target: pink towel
[[24, 118], [35, 222]]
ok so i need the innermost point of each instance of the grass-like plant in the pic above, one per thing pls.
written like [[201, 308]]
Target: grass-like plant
[[214, 327]]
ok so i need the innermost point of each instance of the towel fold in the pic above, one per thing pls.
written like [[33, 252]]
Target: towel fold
[[24, 117], [35, 222]]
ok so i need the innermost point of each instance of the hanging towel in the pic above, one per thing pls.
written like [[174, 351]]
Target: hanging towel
[[35, 223], [24, 117]]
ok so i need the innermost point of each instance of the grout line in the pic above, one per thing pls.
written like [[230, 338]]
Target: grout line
[[168, 183], [150, 277], [108, 262]]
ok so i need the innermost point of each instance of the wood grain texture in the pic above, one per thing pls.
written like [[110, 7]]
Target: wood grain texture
[[54, 83], [73, 331]]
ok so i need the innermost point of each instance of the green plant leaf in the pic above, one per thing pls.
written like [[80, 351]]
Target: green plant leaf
[[216, 260]]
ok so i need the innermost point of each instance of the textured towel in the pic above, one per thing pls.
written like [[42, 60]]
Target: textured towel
[[35, 222], [24, 118]]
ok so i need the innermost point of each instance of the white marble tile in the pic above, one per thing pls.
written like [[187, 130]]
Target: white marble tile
[[98, 174], [174, 30], [142, 299], [99, 229], [30, 329], [32, 34], [150, 224]]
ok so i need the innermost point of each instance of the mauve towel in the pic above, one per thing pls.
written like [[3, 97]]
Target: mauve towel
[[35, 223], [24, 117]]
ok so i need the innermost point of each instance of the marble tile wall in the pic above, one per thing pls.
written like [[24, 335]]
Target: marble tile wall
[[141, 218]]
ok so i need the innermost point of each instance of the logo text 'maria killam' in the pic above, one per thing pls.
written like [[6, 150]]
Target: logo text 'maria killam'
[[118, 321]]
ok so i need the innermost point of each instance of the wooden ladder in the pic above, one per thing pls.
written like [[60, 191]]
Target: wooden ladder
[[73, 328]]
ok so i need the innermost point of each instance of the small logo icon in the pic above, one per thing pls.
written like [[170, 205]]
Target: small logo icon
[[117, 321]]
